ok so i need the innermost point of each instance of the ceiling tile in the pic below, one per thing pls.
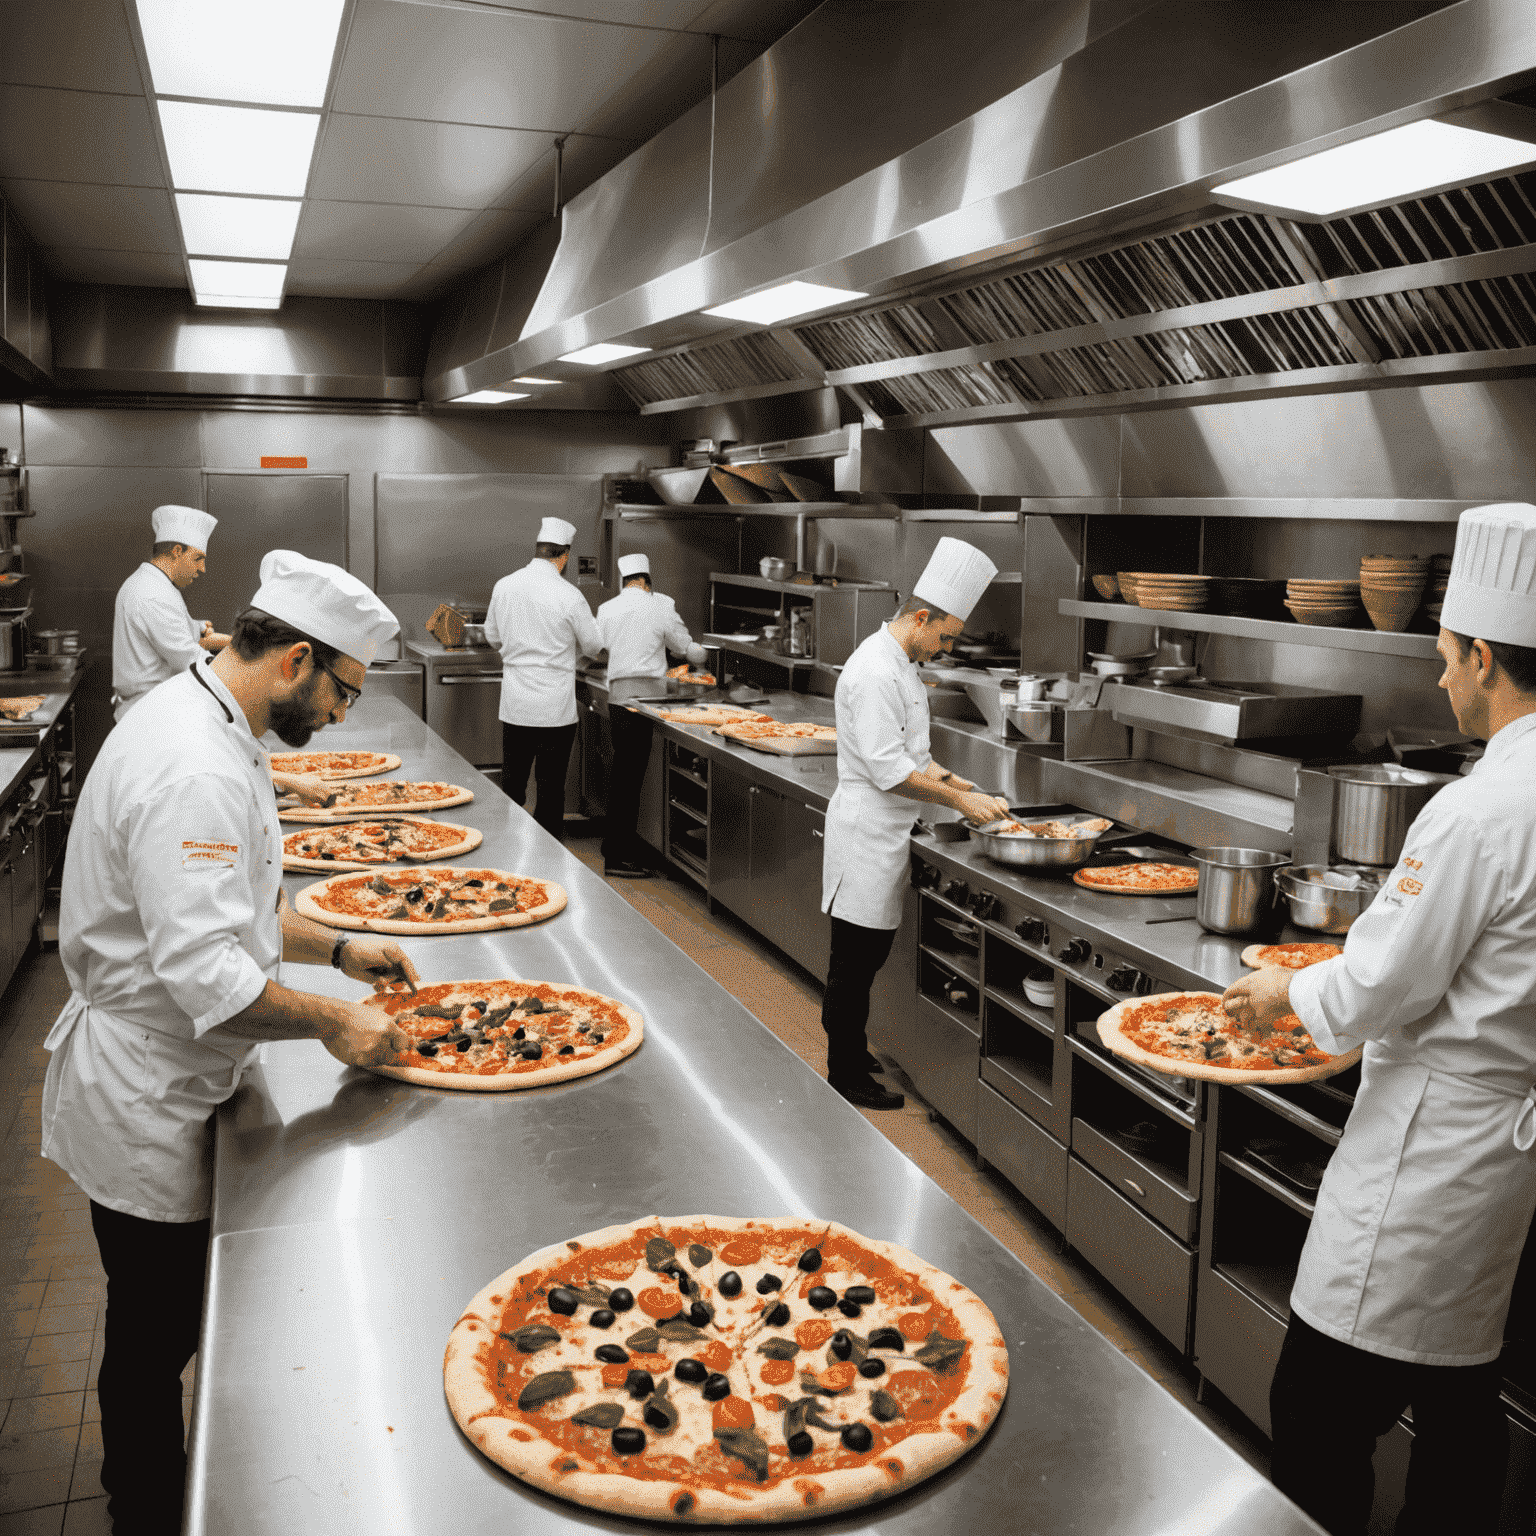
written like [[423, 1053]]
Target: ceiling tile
[[81, 45], [760, 21], [431, 282], [585, 160], [489, 236], [444, 165], [349, 279], [675, 15], [376, 231], [50, 135], [139, 269], [102, 218]]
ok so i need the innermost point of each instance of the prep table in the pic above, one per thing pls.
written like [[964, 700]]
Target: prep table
[[355, 1215]]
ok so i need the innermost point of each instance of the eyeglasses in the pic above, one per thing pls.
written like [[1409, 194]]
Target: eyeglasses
[[349, 694]]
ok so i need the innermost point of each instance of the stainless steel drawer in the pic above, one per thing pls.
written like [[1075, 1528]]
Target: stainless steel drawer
[[1153, 1271], [945, 1070], [1237, 1344], [1033, 1162], [1152, 1192]]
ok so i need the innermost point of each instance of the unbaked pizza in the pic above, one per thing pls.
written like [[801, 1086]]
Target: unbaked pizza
[[1148, 879], [498, 1036], [1190, 1034], [711, 714], [353, 800], [1294, 957], [725, 1370], [20, 708], [367, 844], [335, 765], [426, 901], [683, 675], [778, 730]]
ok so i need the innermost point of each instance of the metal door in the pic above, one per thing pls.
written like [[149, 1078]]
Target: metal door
[[767, 898], [730, 839], [398, 680], [462, 706], [808, 936]]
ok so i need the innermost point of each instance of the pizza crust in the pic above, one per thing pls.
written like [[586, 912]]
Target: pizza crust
[[307, 904], [293, 762], [470, 839], [557, 1071], [1119, 1044], [1251, 956], [897, 1468], [322, 815], [1130, 890]]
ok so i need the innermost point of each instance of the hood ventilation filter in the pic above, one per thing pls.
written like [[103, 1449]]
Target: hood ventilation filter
[[1498, 314], [879, 336], [721, 369], [952, 389]]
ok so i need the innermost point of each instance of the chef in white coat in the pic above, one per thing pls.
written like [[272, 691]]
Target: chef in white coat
[[1406, 1274], [638, 627], [172, 931], [153, 636], [540, 623], [884, 772]]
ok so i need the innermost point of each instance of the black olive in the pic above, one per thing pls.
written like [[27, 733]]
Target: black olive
[[700, 1315], [480, 1002], [778, 1316], [800, 1444], [768, 1283], [699, 1255], [622, 1299], [821, 1297], [656, 1417], [567, 1050], [582, 1029], [849, 1308], [464, 1045], [628, 1440], [519, 1033], [730, 1284], [563, 1301], [863, 1294], [639, 1384], [841, 1344], [857, 1437], [598, 1039], [690, 1370], [426, 1050], [414, 894], [602, 1318], [810, 1260], [531, 1052], [716, 1387], [872, 1367], [887, 1338], [612, 1354]]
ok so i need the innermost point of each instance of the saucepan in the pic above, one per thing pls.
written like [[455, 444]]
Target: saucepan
[[1317, 904], [1237, 891], [1042, 853]]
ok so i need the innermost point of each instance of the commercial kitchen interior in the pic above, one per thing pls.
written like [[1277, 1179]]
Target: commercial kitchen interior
[[1055, 331]]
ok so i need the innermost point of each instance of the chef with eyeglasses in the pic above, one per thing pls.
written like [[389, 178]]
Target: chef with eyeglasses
[[1409, 1262]]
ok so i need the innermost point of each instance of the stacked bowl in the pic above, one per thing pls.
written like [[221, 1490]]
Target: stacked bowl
[[1392, 588], [1179, 594], [1434, 590], [1334, 603]]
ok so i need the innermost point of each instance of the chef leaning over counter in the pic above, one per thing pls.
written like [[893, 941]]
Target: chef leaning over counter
[[884, 771], [172, 930], [1406, 1275], [153, 636]]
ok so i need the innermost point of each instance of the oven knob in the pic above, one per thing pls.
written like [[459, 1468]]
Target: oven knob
[[925, 877], [984, 905], [1124, 978], [1075, 951], [1144, 984], [1032, 930], [956, 891], [994, 910]]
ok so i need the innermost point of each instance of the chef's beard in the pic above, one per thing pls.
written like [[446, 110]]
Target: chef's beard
[[293, 719]]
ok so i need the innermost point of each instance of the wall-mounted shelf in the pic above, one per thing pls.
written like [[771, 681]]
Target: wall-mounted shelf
[[1380, 642], [883, 511]]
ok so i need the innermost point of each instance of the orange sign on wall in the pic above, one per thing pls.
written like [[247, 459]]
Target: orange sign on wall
[[273, 461]]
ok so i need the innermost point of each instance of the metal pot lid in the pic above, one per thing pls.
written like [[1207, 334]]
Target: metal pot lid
[[1388, 773]]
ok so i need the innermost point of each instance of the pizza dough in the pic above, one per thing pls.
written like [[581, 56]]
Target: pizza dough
[[1149, 879], [1293, 957], [712, 714], [336, 765], [499, 1036], [20, 708], [370, 844], [780, 730], [389, 795], [430, 901], [1196, 1025], [725, 1370]]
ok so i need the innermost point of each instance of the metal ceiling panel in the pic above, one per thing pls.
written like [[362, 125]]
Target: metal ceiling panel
[[761, 21], [674, 15], [52, 135], [586, 159], [431, 282], [376, 231], [491, 233], [76, 213], [80, 45], [349, 279], [137, 269]]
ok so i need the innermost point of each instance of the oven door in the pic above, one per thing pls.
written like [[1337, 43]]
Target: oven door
[[463, 705]]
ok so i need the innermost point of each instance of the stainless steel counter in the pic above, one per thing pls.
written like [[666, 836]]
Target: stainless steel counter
[[355, 1215]]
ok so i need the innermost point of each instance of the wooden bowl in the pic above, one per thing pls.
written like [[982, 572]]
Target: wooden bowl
[[1331, 618], [1108, 587]]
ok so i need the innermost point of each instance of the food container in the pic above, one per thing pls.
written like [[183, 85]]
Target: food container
[[1237, 889], [1036, 853], [1323, 907], [56, 642], [1120, 666], [1040, 986], [1374, 804], [1036, 720], [771, 568], [1032, 687]]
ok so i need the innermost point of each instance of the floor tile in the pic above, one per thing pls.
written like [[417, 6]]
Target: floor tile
[[64, 1319], [91, 1410], [87, 1517], [75, 1293], [46, 1521], [53, 1348], [88, 1451], [85, 1480], [59, 1410], [45, 1380], [31, 1490], [39, 1450]]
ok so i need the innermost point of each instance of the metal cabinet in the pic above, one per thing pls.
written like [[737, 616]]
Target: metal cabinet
[[1032, 1160], [730, 840], [808, 930], [594, 756]]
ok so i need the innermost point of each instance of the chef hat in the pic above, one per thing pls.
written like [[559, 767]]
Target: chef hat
[[955, 577], [555, 530], [182, 525], [634, 565], [324, 602], [1491, 594]]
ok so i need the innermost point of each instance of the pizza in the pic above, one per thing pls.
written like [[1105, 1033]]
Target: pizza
[[441, 899], [1149, 879], [335, 765], [353, 800], [683, 675], [496, 1036], [20, 708], [725, 1370], [366, 844], [711, 714], [1294, 957], [1190, 1034], [778, 730]]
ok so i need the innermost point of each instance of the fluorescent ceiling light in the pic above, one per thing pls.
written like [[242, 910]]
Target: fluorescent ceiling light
[[601, 352], [1385, 168], [236, 301], [237, 226], [238, 149], [538, 381], [485, 397], [247, 279], [783, 302], [276, 51]]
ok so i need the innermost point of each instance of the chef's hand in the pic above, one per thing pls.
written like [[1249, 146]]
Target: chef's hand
[[211, 639], [361, 1036], [379, 962], [697, 655], [980, 809], [309, 787], [1258, 1001]]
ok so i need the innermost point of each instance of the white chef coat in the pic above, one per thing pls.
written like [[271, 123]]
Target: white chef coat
[[153, 636], [1424, 1210], [638, 629], [882, 739], [539, 622], [168, 927]]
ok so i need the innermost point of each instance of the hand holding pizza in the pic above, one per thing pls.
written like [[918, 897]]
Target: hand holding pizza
[[311, 788], [1258, 1001], [361, 1036], [381, 963]]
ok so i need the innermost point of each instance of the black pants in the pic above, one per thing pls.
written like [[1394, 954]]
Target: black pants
[[154, 1304], [857, 955], [1329, 1403], [546, 750], [630, 733]]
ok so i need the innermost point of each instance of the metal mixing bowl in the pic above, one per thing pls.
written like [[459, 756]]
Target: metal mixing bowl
[[1039, 853], [771, 568], [1318, 906]]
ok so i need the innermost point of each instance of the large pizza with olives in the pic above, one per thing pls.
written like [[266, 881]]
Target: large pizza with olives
[[367, 844], [403, 796], [336, 765], [725, 1370], [496, 1036], [1190, 1034], [438, 899]]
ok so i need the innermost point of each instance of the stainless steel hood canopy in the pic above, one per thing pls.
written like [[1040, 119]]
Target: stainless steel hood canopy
[[963, 228]]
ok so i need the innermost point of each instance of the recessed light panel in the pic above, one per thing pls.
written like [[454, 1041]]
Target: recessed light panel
[[486, 397], [236, 301], [238, 149], [602, 352], [784, 302], [1385, 168], [537, 381], [257, 227], [246, 279], [276, 51]]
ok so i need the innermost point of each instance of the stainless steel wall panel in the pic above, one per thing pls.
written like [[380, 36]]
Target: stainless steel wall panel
[[1043, 458], [81, 436], [82, 46], [77, 136], [10, 427], [321, 276], [95, 217], [17, 328], [133, 269], [682, 554]]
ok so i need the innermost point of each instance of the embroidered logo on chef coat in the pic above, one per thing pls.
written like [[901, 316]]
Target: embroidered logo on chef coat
[[1413, 864], [196, 855], [1409, 886]]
